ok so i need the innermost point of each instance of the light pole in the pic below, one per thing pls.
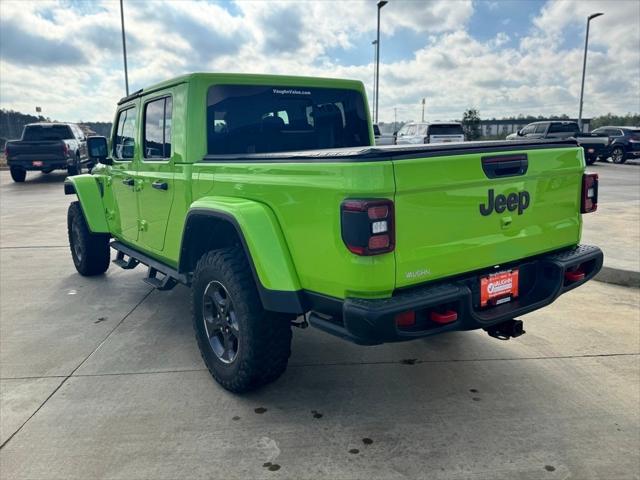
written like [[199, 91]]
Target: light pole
[[381, 4], [584, 65], [423, 102], [375, 55], [124, 51]]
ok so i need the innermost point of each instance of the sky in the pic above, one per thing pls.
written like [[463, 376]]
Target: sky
[[504, 58]]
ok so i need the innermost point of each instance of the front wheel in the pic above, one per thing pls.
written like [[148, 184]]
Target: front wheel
[[18, 174], [242, 345], [90, 251], [617, 155]]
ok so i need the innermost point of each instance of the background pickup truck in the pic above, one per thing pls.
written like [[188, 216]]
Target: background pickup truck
[[46, 147], [595, 145], [267, 196]]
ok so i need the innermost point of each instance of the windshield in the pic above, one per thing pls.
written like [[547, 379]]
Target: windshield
[[262, 119], [47, 132], [453, 129]]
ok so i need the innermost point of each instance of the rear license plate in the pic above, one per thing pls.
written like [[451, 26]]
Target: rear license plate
[[37, 163], [591, 150], [498, 288]]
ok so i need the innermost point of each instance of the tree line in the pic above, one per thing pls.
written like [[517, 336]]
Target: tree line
[[12, 123]]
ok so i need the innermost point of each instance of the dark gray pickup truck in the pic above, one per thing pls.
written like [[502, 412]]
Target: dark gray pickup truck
[[595, 145], [46, 147]]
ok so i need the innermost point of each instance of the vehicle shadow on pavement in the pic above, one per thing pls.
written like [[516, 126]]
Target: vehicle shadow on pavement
[[38, 178]]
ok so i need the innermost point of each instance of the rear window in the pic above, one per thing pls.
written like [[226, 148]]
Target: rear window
[[445, 130], [47, 132], [263, 119], [564, 128]]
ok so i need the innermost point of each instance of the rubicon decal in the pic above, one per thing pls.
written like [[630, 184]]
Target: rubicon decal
[[512, 202]]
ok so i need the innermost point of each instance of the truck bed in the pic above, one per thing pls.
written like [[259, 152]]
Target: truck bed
[[393, 152]]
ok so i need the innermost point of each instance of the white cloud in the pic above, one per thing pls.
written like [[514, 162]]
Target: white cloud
[[536, 74]]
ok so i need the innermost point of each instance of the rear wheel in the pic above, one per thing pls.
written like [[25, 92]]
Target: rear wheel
[[76, 168], [90, 251], [617, 155], [18, 174], [242, 345]]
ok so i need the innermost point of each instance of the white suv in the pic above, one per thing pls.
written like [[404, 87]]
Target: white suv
[[434, 132]]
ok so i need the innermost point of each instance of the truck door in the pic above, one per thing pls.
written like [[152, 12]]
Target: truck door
[[123, 216], [155, 174]]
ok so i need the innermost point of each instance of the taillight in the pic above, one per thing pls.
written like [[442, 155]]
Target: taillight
[[589, 193], [6, 150], [65, 149], [367, 226]]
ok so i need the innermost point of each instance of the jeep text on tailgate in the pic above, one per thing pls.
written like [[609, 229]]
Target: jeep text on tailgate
[[267, 196]]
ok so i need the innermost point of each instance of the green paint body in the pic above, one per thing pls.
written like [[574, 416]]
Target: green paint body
[[289, 213]]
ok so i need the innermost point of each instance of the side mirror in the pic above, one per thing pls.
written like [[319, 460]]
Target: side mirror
[[519, 132], [395, 134], [98, 151]]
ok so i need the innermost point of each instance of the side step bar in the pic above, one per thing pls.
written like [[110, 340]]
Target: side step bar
[[170, 277]]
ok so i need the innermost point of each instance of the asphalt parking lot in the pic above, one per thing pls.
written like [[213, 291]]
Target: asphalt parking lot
[[101, 378]]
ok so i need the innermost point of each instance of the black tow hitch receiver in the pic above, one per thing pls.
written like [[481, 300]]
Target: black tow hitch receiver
[[506, 330]]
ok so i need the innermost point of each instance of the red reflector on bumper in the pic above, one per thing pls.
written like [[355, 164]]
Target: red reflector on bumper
[[445, 317], [406, 319], [574, 276]]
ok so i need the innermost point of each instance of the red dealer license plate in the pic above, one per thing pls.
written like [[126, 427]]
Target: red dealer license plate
[[498, 288]]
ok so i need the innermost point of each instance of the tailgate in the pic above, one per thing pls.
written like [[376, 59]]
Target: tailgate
[[446, 217], [24, 150]]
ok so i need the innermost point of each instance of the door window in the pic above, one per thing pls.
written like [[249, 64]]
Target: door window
[[124, 142], [528, 129], [541, 128], [157, 128]]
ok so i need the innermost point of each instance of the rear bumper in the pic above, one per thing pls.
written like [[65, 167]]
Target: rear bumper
[[48, 163], [542, 280]]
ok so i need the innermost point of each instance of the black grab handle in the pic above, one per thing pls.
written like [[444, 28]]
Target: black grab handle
[[499, 166]]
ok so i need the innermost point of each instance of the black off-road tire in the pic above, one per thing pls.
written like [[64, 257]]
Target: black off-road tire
[[90, 251], [264, 338], [18, 174]]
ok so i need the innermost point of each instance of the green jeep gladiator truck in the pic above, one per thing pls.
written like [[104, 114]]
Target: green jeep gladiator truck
[[267, 196]]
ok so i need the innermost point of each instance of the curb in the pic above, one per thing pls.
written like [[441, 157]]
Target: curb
[[618, 276]]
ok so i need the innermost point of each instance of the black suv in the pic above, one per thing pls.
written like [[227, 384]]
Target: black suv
[[624, 142]]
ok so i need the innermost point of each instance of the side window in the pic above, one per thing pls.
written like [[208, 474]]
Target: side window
[[124, 141], [411, 130], [541, 128], [157, 128], [528, 129]]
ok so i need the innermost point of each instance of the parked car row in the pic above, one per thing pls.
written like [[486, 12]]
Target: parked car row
[[617, 143]]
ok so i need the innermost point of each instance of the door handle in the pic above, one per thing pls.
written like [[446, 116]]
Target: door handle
[[129, 182], [160, 185]]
